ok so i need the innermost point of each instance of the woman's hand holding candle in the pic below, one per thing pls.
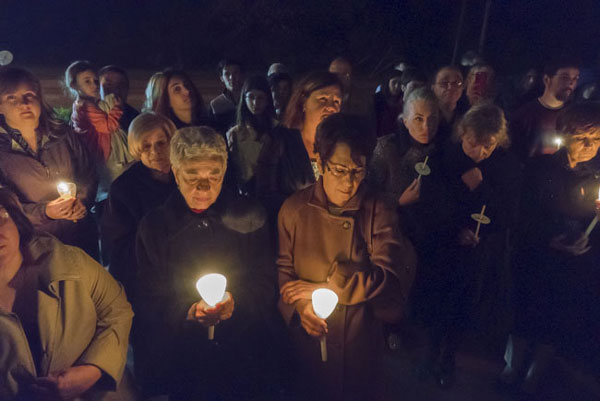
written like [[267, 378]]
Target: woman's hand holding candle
[[312, 324], [210, 316], [579, 247], [411, 194], [60, 208], [468, 238]]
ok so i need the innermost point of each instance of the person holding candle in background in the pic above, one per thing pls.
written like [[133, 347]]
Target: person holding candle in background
[[201, 229], [473, 273], [37, 152], [336, 235], [556, 268]]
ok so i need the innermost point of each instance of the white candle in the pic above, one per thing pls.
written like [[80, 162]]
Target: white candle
[[324, 302], [212, 289], [66, 189]]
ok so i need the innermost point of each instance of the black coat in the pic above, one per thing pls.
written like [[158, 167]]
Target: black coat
[[175, 247], [478, 279], [557, 293], [132, 195]]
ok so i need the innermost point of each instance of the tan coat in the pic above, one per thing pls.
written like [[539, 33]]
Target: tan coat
[[83, 318], [360, 255]]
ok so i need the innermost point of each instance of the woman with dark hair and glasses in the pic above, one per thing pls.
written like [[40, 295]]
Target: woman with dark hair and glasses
[[334, 234], [37, 152], [82, 353]]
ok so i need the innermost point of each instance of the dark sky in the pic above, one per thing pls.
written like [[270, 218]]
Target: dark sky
[[195, 34]]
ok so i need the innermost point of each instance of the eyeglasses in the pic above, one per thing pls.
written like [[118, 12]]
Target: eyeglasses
[[340, 171], [449, 84], [567, 79]]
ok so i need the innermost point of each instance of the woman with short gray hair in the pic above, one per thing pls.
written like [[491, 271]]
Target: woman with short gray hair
[[201, 229]]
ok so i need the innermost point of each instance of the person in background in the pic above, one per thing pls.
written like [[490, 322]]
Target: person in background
[[412, 78], [97, 121], [388, 103], [143, 187], [336, 235], [153, 91], [224, 106], [64, 321], [113, 79], [277, 68], [356, 100], [281, 90], [473, 274], [447, 84], [519, 90], [481, 84], [201, 230], [174, 95], [37, 152], [533, 128], [316, 96], [250, 141], [556, 263]]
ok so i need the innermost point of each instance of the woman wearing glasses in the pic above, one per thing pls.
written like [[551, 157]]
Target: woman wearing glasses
[[336, 235], [448, 88]]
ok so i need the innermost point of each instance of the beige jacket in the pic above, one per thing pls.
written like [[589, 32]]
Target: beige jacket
[[360, 255], [83, 318]]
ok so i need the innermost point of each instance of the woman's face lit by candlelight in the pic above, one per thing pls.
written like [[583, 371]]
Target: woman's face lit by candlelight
[[21, 108], [341, 175], [583, 146], [155, 151], [200, 181]]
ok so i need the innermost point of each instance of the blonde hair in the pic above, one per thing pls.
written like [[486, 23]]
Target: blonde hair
[[485, 120], [141, 126], [154, 89], [197, 143]]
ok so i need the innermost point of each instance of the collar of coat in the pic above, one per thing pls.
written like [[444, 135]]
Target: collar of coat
[[61, 263], [318, 198], [8, 142]]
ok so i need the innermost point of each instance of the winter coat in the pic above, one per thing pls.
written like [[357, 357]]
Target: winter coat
[[175, 247], [83, 317], [131, 197], [478, 278], [557, 293], [33, 178], [360, 255]]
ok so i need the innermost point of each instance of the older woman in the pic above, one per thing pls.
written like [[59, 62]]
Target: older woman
[[481, 177], [37, 152], [335, 235], [81, 353], [447, 84], [144, 186], [557, 263], [200, 230]]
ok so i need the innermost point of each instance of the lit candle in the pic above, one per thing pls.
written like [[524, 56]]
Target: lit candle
[[324, 302], [592, 225], [66, 189], [212, 289], [558, 142]]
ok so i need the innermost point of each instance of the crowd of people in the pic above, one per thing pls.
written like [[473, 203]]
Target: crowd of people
[[451, 200]]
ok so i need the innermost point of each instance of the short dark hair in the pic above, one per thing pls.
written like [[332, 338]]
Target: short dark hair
[[10, 202], [345, 128], [278, 77], [228, 61], [579, 117], [114, 68], [552, 66], [74, 69]]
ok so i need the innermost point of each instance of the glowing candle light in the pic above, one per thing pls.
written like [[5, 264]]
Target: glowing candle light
[[212, 289], [592, 225], [66, 189], [324, 302], [558, 142]]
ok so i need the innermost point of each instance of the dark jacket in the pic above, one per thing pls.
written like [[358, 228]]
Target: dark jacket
[[479, 277], [557, 293], [175, 247], [131, 197], [33, 178]]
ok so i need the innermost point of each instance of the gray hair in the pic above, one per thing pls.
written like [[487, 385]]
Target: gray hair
[[425, 94], [197, 143], [141, 126]]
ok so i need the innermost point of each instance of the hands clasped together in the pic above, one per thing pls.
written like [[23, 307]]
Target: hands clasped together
[[66, 209], [68, 384], [299, 294]]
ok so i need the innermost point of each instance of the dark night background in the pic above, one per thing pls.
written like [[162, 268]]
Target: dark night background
[[195, 34]]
